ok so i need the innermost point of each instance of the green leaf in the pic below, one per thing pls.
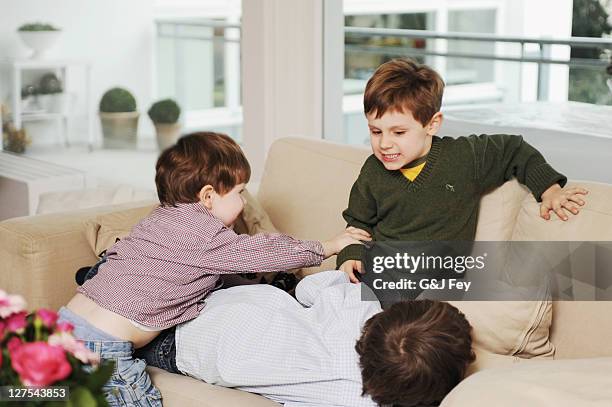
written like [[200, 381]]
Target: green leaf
[[82, 397], [100, 376]]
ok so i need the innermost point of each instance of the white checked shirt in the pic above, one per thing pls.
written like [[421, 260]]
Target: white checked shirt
[[259, 339], [160, 273]]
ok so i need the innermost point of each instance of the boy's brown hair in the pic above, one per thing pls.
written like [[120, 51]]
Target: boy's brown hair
[[197, 160], [414, 353], [403, 84]]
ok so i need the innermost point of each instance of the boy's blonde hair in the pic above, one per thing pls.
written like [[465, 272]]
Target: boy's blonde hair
[[403, 84]]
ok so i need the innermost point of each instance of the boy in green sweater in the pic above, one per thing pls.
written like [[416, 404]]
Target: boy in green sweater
[[417, 186]]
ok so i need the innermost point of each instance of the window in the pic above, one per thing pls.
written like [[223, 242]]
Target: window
[[465, 70], [198, 63]]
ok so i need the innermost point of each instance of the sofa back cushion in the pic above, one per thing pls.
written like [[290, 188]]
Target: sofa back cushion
[[579, 329], [306, 186]]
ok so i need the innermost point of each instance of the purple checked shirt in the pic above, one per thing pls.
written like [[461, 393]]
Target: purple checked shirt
[[160, 273]]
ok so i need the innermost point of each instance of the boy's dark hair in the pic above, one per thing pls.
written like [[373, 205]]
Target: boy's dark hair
[[414, 353], [403, 84], [197, 160]]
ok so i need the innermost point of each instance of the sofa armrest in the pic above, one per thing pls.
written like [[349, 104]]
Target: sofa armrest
[[40, 254]]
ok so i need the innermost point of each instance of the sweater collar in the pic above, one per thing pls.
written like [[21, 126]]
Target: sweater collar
[[430, 161]]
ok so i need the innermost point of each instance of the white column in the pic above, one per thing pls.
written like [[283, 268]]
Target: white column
[[282, 73], [333, 70], [441, 45]]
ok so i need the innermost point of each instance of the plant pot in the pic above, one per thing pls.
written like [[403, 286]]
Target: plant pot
[[56, 103], [119, 130], [39, 41], [167, 135]]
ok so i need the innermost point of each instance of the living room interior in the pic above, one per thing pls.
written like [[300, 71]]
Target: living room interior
[[91, 93]]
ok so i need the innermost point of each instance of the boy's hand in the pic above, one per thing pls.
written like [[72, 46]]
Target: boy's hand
[[349, 236], [349, 267], [559, 200]]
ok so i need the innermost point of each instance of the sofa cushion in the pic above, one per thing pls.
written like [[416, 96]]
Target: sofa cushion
[[498, 211], [306, 185], [512, 328], [183, 391], [555, 383], [594, 223]]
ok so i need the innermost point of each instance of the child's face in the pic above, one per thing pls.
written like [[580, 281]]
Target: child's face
[[227, 207], [397, 138]]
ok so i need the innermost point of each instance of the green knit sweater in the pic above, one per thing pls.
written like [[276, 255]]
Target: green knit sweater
[[442, 202]]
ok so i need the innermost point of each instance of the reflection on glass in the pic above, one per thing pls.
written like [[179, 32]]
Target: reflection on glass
[[364, 54], [463, 70]]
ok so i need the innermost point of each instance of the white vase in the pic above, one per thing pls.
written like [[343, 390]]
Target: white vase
[[39, 41]]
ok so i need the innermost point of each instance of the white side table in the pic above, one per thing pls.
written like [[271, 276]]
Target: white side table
[[24, 179], [62, 119]]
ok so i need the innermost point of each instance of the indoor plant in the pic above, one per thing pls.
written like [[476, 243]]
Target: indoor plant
[[165, 114], [36, 351], [38, 36], [119, 118], [50, 96]]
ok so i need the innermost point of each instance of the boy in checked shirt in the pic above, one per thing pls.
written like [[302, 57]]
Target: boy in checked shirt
[[158, 276]]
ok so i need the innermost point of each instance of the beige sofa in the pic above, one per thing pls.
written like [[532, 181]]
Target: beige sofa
[[304, 189]]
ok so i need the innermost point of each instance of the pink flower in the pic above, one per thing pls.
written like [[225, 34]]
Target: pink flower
[[64, 327], [70, 344], [40, 364], [10, 304], [16, 322], [47, 317], [13, 344]]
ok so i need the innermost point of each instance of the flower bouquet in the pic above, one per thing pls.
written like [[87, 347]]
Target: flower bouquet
[[37, 352]]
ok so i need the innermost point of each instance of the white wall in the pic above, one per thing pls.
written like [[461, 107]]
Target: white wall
[[116, 36]]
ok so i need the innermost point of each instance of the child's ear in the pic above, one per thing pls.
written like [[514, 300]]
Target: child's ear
[[434, 124], [206, 196]]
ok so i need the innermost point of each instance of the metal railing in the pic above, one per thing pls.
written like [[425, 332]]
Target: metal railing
[[224, 37], [176, 24], [542, 59]]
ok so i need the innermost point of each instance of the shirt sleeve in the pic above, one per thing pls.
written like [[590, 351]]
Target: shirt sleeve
[[500, 157], [229, 253], [311, 286]]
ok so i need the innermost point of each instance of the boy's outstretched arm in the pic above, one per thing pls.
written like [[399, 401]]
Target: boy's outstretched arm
[[501, 157], [229, 253]]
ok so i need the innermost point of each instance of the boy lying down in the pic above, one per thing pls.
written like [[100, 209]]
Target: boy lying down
[[327, 348]]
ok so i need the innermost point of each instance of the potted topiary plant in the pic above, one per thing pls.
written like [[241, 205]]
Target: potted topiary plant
[[50, 96], [38, 36], [165, 114], [119, 119]]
